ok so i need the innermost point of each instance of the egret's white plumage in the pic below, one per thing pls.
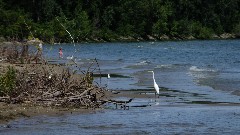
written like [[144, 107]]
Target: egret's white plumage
[[155, 84], [108, 76], [50, 76], [70, 57]]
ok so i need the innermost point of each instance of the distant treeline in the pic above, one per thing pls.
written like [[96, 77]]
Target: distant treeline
[[111, 20]]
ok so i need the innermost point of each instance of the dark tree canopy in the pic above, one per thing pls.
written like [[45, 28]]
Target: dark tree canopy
[[111, 19]]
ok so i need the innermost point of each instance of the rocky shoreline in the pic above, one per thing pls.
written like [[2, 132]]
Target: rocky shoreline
[[164, 37]]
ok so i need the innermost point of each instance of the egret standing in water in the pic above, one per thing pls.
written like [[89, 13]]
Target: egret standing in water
[[70, 57], [108, 76], [155, 85]]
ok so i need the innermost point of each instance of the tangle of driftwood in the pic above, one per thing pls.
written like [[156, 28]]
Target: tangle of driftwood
[[55, 89], [47, 87]]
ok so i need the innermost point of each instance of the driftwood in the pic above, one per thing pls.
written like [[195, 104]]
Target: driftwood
[[20, 53], [47, 87], [51, 89], [122, 104]]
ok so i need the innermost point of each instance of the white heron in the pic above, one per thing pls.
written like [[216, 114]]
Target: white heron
[[108, 76], [50, 76], [70, 57], [155, 85]]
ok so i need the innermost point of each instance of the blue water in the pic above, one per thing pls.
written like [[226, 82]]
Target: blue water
[[187, 65], [192, 71], [144, 121]]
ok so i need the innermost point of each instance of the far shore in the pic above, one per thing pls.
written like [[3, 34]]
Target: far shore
[[150, 38]]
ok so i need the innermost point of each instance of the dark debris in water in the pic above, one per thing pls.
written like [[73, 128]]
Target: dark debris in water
[[112, 75], [139, 105], [167, 95]]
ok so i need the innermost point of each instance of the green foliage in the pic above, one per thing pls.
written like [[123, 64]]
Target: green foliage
[[237, 29], [160, 27], [200, 31], [86, 19], [83, 25], [183, 28], [49, 10], [13, 24], [8, 82], [107, 35], [126, 30], [205, 33]]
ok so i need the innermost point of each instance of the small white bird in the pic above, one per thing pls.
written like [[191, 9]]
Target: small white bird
[[50, 76], [155, 85], [108, 76], [70, 58]]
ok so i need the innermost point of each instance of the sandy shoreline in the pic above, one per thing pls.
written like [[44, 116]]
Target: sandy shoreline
[[11, 112]]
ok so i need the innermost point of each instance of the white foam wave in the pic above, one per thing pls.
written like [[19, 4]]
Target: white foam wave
[[165, 66], [197, 69], [201, 73], [145, 62], [172, 66]]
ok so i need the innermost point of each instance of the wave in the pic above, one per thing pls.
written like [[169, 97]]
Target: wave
[[168, 66], [172, 66], [197, 69], [201, 73], [145, 62]]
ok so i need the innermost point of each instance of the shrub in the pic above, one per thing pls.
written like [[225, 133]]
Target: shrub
[[8, 82]]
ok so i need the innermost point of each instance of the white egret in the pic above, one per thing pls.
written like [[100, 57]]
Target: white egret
[[50, 76], [70, 57], [155, 85], [108, 76]]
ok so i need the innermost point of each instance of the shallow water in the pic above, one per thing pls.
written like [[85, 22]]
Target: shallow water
[[205, 67], [155, 119], [197, 81]]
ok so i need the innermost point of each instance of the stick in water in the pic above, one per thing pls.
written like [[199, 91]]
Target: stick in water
[[67, 32]]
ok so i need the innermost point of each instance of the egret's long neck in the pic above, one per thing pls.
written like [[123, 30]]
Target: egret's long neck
[[153, 77]]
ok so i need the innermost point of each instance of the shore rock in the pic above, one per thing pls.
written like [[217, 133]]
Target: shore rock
[[214, 36], [227, 36], [164, 37], [151, 37]]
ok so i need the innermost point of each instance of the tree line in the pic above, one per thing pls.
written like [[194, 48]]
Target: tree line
[[111, 20]]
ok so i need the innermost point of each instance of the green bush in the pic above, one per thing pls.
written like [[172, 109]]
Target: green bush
[[205, 33], [237, 29], [8, 82], [201, 32]]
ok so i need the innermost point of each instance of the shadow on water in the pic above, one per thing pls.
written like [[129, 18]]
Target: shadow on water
[[167, 97]]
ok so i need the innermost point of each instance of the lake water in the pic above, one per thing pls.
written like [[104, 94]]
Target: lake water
[[194, 73]]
